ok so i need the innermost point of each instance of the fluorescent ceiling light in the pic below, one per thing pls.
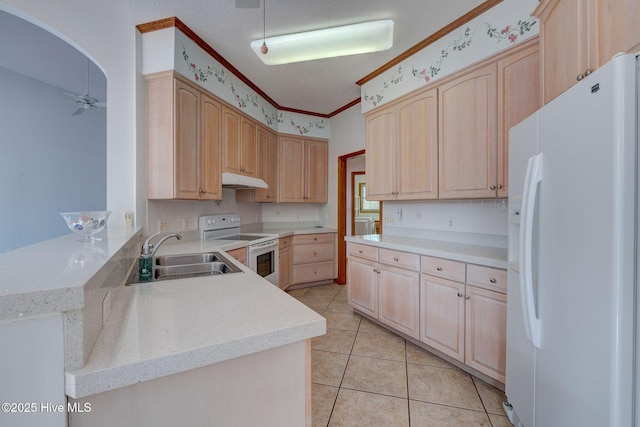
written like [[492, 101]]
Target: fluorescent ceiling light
[[327, 43]]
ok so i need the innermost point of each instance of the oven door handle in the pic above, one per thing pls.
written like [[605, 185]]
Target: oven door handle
[[263, 246]]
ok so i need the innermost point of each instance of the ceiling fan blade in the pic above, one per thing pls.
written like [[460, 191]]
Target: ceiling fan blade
[[247, 4], [78, 111]]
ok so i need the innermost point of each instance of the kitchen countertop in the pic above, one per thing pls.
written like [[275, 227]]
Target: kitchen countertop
[[473, 254], [166, 327], [49, 277]]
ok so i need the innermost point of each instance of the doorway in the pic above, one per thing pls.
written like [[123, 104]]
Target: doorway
[[344, 209]]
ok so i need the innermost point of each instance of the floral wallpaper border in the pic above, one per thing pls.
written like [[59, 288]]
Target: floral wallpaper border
[[244, 100], [433, 61]]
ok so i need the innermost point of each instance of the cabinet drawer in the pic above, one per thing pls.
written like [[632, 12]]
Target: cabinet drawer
[[305, 273], [490, 278], [313, 253], [363, 251], [307, 239], [445, 268], [239, 254], [285, 242], [400, 259]]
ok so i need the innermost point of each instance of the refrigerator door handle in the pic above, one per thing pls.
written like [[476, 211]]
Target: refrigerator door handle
[[529, 198]]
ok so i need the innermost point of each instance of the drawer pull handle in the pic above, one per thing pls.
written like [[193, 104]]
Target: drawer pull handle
[[492, 280], [395, 258], [359, 251], [439, 268], [315, 253]]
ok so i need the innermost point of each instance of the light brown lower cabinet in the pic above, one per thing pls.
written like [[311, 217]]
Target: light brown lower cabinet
[[314, 258], [285, 262], [239, 254], [456, 308]]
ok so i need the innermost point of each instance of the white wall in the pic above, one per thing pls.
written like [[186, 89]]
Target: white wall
[[105, 32]]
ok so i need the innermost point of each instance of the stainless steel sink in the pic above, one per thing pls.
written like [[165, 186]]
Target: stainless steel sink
[[187, 259], [173, 267], [194, 270]]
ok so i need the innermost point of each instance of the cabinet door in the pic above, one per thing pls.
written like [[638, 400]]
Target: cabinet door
[[291, 170], [248, 148], [568, 44], [230, 140], [316, 171], [381, 155], [417, 148], [267, 165], [518, 97], [187, 123], [442, 315], [468, 137], [211, 183], [486, 331], [362, 282], [285, 269], [618, 23], [399, 296]]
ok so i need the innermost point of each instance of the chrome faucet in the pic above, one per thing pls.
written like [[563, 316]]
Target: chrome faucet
[[148, 250], [145, 263]]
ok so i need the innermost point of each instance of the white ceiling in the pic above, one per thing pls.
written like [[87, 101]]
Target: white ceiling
[[321, 86]]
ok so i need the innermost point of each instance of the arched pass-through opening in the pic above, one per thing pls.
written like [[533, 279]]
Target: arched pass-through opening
[[54, 125]]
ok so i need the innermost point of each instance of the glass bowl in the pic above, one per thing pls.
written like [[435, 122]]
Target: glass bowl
[[86, 223]]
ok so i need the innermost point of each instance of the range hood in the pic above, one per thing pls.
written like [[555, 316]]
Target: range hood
[[232, 180]]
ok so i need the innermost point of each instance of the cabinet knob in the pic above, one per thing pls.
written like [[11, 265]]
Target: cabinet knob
[[315, 253], [467, 297], [499, 186], [439, 268], [587, 72], [493, 187], [395, 258], [492, 280], [579, 77], [460, 294]]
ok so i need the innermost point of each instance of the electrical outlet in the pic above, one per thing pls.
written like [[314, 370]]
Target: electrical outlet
[[398, 217], [106, 308], [163, 225], [128, 219], [450, 222], [185, 223]]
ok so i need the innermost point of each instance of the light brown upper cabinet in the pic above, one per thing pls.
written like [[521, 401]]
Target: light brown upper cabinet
[[267, 164], [568, 43], [183, 140], [518, 98], [402, 149], [618, 23], [302, 169], [239, 147], [468, 145]]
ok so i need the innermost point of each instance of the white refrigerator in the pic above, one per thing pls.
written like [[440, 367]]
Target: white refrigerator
[[573, 205]]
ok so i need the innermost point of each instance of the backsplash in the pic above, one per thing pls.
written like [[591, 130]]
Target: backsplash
[[478, 222], [180, 215]]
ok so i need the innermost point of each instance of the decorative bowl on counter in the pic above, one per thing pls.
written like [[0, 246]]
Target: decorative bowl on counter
[[86, 223]]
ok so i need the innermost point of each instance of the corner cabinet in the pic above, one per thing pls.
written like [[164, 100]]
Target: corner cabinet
[[183, 140], [402, 149], [302, 170]]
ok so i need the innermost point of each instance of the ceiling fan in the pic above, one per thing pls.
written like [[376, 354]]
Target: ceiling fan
[[86, 102]]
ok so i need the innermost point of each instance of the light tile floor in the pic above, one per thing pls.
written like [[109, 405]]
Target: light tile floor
[[364, 375]]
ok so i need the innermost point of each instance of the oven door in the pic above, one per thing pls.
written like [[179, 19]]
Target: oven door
[[263, 259]]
